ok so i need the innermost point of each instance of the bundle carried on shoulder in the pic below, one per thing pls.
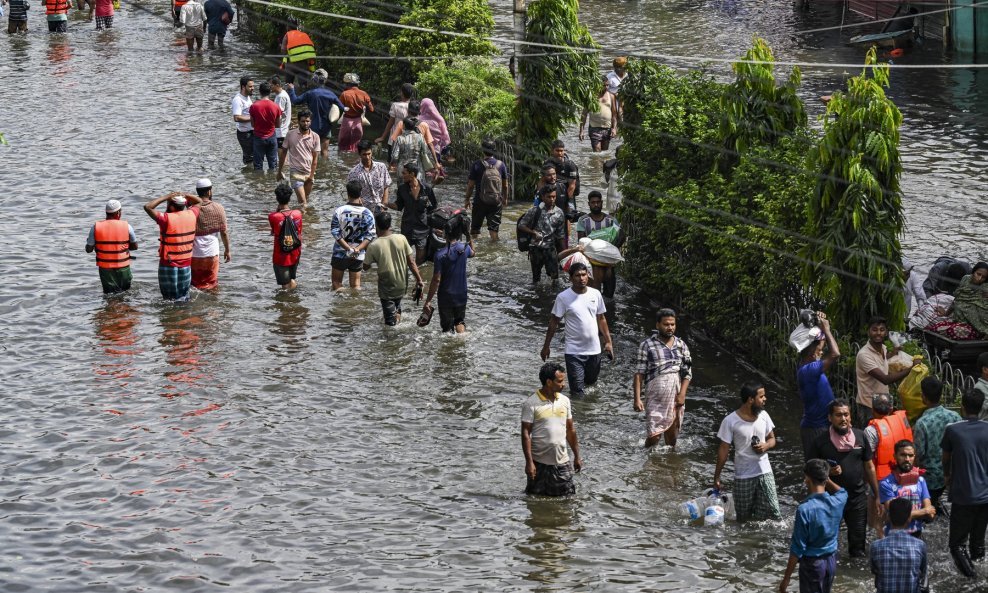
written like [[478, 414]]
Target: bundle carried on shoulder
[[600, 252]]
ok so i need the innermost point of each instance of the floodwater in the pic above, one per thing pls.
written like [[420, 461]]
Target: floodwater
[[253, 440]]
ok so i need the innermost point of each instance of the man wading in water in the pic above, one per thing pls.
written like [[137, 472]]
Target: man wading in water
[[665, 368], [546, 428]]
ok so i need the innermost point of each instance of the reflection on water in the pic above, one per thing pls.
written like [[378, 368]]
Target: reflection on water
[[547, 548], [117, 338], [290, 322], [183, 331]]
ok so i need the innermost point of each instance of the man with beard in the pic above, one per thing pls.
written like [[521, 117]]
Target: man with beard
[[300, 149], [546, 223], [750, 430], [596, 220], [905, 481], [416, 201], [665, 370], [849, 453]]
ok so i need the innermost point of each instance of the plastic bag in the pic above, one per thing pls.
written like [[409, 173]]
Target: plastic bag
[[609, 234], [898, 338], [569, 260], [910, 394], [900, 362], [600, 252]]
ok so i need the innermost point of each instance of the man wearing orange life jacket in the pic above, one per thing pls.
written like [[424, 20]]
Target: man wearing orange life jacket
[[178, 232], [882, 433], [113, 239], [57, 12], [300, 52], [177, 10]]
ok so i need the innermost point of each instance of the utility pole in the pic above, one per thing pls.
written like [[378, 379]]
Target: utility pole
[[520, 11]]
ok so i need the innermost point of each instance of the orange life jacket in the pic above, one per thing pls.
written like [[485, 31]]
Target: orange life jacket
[[112, 244], [56, 7], [299, 47], [180, 3], [891, 429], [177, 236]]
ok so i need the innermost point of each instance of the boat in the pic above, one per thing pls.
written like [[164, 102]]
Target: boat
[[891, 39]]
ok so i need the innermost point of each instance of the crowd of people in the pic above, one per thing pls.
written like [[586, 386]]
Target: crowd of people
[[865, 464]]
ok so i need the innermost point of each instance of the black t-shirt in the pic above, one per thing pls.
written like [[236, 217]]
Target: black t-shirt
[[851, 462], [562, 198], [967, 443], [415, 213]]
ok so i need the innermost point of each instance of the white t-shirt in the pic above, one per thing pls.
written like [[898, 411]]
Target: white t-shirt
[[548, 420], [206, 245], [738, 432], [580, 312], [240, 105], [283, 101]]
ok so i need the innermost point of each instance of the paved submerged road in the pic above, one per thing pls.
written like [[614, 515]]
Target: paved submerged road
[[258, 441]]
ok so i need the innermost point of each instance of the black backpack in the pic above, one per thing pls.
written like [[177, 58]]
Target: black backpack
[[288, 239], [524, 239]]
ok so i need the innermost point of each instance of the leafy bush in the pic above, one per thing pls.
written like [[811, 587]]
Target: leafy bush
[[466, 16], [475, 94]]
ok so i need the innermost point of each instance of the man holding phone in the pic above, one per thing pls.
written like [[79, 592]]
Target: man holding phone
[[751, 431]]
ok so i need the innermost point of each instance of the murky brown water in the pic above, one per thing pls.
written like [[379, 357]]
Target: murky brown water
[[258, 441]]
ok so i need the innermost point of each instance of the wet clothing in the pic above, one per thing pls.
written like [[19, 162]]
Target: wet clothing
[[582, 371], [548, 418], [415, 211], [485, 212], [756, 499], [174, 282], [205, 272], [391, 254], [320, 101], [889, 488], [451, 263], [215, 9], [662, 370], [927, 434], [116, 279], [372, 183], [353, 224], [17, 10], [852, 479], [280, 257], [899, 563], [551, 480]]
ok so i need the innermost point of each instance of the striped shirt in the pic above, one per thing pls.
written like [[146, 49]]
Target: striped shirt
[[655, 358], [18, 10]]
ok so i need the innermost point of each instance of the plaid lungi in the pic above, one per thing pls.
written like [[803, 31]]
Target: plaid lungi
[[174, 282], [756, 499]]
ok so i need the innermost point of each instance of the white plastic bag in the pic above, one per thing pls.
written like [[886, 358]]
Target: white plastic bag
[[573, 258], [601, 252]]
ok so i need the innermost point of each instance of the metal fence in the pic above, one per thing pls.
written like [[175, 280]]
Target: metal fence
[[774, 355]]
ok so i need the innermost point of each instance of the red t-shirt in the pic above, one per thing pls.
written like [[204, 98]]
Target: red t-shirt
[[275, 219], [264, 116]]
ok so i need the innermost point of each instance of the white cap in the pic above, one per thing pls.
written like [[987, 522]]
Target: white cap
[[113, 206], [203, 183], [179, 200], [906, 264]]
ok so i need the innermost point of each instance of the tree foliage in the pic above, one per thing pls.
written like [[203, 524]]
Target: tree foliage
[[712, 236], [476, 95], [855, 212], [465, 16], [556, 84]]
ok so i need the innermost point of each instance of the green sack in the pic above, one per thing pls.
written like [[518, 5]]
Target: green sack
[[609, 234]]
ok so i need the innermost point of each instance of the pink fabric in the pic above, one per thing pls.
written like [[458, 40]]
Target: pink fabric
[[351, 131], [437, 125], [842, 443]]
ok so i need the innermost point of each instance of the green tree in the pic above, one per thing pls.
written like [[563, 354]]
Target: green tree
[[476, 95], [855, 212], [465, 16], [757, 110], [556, 85]]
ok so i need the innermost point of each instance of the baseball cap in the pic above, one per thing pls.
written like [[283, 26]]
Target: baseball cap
[[203, 183], [113, 206]]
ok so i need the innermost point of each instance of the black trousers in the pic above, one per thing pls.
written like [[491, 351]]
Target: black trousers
[[968, 523], [246, 140], [856, 519]]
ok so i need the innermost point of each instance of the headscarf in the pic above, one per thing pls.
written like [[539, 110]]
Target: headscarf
[[437, 125]]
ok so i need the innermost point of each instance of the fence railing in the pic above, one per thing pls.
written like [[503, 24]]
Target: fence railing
[[466, 149], [775, 357]]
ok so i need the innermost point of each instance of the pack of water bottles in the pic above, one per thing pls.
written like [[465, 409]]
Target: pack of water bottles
[[712, 508]]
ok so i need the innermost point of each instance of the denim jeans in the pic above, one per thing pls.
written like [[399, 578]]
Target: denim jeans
[[581, 372], [265, 148], [246, 141]]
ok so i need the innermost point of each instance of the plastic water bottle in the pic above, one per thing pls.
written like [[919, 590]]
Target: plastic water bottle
[[713, 515], [693, 509]]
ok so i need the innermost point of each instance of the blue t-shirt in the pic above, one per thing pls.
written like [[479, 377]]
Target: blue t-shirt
[[215, 9], [815, 391], [354, 224], [320, 101], [888, 489], [451, 263], [817, 524]]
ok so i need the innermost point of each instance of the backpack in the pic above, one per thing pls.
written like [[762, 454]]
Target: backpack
[[491, 184], [288, 239], [449, 219], [524, 239]]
